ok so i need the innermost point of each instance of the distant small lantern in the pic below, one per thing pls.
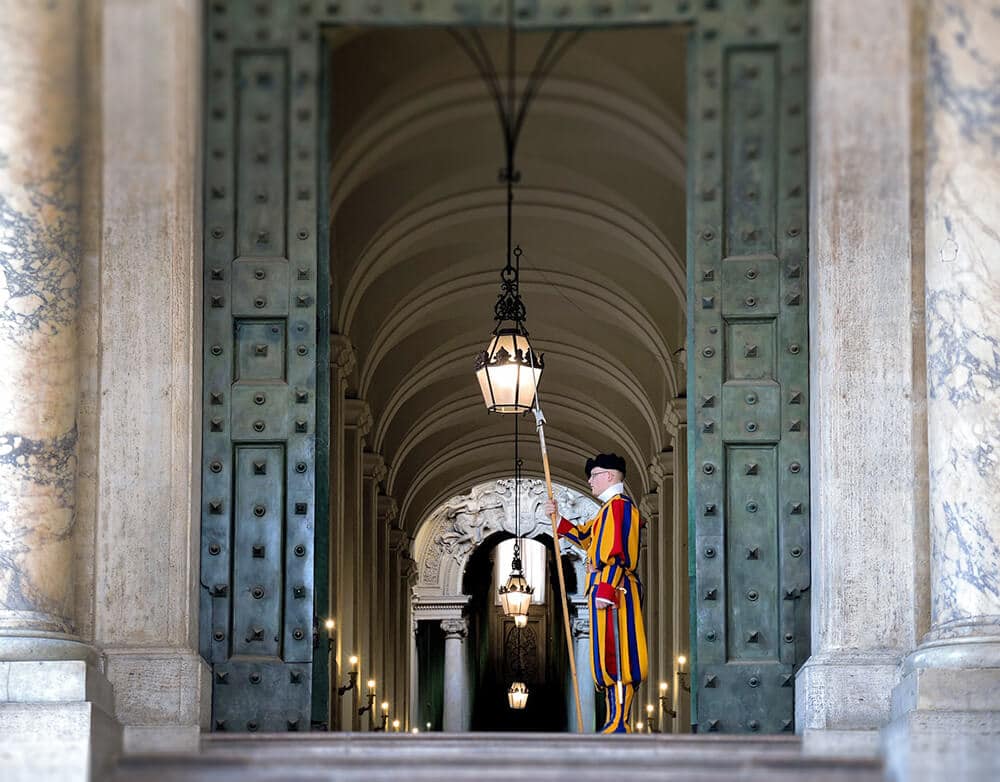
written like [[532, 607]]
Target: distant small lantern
[[517, 695]]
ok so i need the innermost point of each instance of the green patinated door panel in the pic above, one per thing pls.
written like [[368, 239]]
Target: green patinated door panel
[[261, 354], [265, 571], [748, 365]]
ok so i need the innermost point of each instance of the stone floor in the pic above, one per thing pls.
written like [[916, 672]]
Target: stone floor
[[494, 756]]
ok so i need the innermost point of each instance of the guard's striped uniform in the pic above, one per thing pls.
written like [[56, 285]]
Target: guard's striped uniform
[[611, 540]]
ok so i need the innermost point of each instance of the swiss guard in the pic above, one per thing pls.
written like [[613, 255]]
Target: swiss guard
[[617, 632]]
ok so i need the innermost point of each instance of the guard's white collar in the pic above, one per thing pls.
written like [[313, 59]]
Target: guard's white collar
[[611, 491]]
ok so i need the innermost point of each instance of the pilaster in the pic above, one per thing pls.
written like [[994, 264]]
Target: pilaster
[[865, 372]]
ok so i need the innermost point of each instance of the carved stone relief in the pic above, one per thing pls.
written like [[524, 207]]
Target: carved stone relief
[[453, 532]]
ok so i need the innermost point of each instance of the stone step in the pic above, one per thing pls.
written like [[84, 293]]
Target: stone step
[[534, 757]]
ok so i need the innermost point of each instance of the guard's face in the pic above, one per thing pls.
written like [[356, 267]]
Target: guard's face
[[600, 479]]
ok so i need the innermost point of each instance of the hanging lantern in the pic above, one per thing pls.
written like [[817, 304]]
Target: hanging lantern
[[508, 371], [515, 595], [517, 695]]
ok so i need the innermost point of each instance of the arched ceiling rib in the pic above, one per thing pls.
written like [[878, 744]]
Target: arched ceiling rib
[[417, 243], [385, 133], [391, 248]]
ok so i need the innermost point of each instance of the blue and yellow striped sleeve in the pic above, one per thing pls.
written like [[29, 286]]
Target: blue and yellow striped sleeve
[[577, 533]]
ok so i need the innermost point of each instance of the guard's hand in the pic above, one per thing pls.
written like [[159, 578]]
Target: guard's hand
[[551, 507]]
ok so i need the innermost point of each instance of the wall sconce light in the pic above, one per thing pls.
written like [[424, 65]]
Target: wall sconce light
[[639, 727], [352, 677], [665, 705], [650, 719], [385, 717], [330, 625], [369, 703], [395, 726], [682, 675]]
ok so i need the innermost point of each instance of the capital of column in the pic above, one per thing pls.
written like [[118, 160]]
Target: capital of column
[[399, 541], [581, 628], [410, 570], [358, 415], [373, 466], [649, 506], [387, 509], [675, 416], [662, 466], [343, 359], [455, 628]]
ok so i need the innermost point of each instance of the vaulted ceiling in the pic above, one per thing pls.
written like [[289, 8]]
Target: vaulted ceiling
[[417, 219]]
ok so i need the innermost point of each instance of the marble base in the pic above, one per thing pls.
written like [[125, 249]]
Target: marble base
[[946, 714], [56, 722], [842, 700], [163, 697]]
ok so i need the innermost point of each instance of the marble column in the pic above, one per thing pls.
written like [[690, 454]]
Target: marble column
[[584, 677], [50, 675], [40, 50], [680, 597], [865, 368], [455, 684], [343, 363], [946, 707], [353, 582]]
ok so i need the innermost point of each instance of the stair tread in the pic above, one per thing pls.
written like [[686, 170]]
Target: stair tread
[[484, 757]]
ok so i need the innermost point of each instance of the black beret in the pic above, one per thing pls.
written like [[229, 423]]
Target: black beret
[[606, 461]]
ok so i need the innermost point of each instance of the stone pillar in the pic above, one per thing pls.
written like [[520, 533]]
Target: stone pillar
[[455, 685], [680, 598], [946, 707], [414, 659], [353, 581], [409, 688], [865, 369], [661, 592], [385, 508], [371, 623], [56, 706], [342, 365], [584, 677], [650, 572]]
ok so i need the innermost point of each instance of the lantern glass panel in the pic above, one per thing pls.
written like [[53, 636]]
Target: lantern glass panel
[[508, 375]]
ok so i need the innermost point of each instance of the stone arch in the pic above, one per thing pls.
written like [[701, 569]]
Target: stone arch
[[455, 529]]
